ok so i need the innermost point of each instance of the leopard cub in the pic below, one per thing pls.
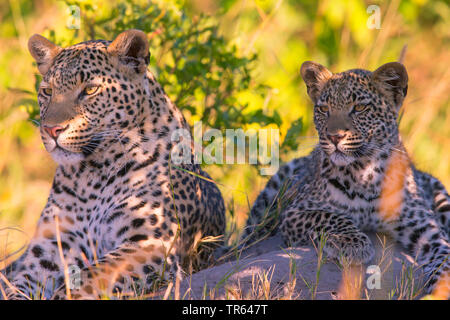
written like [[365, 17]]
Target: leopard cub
[[359, 177]]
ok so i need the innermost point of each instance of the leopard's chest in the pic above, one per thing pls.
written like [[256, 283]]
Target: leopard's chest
[[341, 195]]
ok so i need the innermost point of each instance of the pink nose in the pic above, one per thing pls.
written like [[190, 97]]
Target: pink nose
[[335, 138], [54, 131]]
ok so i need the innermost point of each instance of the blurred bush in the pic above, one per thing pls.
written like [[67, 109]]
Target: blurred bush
[[197, 67]]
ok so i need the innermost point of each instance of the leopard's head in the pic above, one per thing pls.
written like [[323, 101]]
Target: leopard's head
[[90, 92], [356, 111]]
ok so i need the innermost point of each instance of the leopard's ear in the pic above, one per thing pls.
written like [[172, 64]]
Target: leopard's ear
[[43, 51], [131, 49], [392, 80], [315, 76]]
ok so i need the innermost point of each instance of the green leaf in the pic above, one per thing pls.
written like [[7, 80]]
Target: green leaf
[[290, 140]]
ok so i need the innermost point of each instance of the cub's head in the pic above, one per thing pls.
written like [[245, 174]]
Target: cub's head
[[355, 112], [90, 92]]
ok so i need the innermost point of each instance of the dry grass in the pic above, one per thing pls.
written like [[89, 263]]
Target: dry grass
[[262, 286]]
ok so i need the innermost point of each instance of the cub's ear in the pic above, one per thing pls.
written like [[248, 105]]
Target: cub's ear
[[392, 80], [315, 76], [131, 50], [43, 51]]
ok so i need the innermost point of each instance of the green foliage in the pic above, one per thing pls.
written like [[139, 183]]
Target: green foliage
[[290, 140], [29, 102], [199, 69]]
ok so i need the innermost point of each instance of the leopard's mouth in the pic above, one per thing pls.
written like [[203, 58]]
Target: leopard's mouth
[[64, 155], [340, 158], [343, 156]]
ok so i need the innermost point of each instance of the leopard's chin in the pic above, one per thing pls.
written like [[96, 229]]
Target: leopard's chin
[[341, 159], [63, 156]]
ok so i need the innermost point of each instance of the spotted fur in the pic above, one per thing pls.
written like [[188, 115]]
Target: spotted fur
[[125, 213], [358, 178]]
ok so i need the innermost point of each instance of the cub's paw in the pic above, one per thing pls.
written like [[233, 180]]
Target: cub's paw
[[354, 248]]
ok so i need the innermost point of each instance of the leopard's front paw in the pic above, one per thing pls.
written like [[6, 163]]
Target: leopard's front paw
[[354, 248]]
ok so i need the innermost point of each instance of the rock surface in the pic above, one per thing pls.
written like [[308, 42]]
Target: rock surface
[[265, 271]]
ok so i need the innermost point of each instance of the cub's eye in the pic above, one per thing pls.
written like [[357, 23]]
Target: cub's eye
[[322, 108], [90, 90], [47, 91], [360, 107]]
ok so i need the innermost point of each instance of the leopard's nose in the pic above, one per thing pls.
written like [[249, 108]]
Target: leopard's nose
[[54, 131], [335, 138]]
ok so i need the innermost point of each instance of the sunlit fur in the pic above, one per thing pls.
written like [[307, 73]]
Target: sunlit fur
[[366, 133], [91, 120]]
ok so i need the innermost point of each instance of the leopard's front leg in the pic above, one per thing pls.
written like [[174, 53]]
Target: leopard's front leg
[[343, 238], [419, 232], [134, 267], [130, 270], [37, 272]]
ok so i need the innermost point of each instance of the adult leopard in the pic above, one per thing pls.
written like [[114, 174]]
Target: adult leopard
[[359, 177], [118, 210]]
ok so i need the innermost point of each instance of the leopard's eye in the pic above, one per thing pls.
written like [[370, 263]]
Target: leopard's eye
[[360, 107], [322, 108], [47, 91], [90, 90]]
